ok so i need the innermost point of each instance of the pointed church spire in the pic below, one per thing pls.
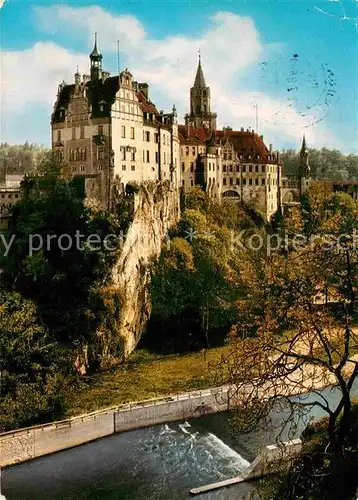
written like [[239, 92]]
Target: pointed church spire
[[199, 82], [304, 145]]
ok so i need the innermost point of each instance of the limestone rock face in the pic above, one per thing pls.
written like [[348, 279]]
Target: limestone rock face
[[156, 209]]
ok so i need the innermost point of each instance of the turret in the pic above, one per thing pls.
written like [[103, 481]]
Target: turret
[[96, 62], [305, 171]]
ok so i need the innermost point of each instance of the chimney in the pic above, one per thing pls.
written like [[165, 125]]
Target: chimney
[[85, 78], [262, 137], [270, 148], [242, 129]]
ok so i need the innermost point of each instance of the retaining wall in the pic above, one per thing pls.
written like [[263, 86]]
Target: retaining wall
[[26, 444]]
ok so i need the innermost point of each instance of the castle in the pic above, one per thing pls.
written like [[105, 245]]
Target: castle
[[106, 129]]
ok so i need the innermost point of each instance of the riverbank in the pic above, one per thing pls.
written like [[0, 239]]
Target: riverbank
[[145, 376]]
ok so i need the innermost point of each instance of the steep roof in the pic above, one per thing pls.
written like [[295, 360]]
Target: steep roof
[[199, 82], [102, 91], [245, 143]]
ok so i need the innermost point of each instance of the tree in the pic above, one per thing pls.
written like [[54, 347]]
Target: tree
[[288, 341], [58, 258], [32, 366], [194, 280], [325, 164]]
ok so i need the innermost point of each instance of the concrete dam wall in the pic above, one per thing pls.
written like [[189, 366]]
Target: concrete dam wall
[[26, 444]]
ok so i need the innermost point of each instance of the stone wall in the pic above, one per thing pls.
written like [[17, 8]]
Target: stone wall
[[25, 444]]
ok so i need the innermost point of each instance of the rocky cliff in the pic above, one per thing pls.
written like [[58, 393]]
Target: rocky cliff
[[156, 209]]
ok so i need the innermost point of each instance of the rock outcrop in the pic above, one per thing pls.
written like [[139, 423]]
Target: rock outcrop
[[156, 209]]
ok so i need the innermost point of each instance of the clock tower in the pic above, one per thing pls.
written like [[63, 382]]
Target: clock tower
[[200, 115]]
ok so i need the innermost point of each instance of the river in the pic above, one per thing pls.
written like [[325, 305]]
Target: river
[[158, 463]]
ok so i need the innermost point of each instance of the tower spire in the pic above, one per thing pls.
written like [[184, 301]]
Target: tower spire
[[96, 61], [304, 146], [199, 81]]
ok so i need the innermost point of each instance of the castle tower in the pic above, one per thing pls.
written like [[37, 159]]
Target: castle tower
[[200, 115], [305, 171], [96, 62]]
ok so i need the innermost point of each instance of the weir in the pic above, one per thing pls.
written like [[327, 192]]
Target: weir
[[270, 460]]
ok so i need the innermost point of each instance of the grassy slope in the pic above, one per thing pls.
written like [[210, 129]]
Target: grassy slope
[[146, 376]]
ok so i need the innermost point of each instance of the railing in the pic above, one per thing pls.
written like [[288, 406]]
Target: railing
[[118, 408]]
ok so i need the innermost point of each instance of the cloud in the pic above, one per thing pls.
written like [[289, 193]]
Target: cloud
[[230, 45]]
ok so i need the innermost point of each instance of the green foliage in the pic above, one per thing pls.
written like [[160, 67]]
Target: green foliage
[[59, 297], [32, 366], [328, 164], [195, 282], [21, 158]]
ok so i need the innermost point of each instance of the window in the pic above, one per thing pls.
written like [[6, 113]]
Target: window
[[157, 158], [133, 156], [224, 181], [156, 138], [133, 168], [244, 168], [263, 182], [73, 169], [147, 136], [58, 135], [164, 158], [123, 167], [237, 168], [73, 133], [230, 156], [123, 151], [193, 151], [183, 167], [123, 131], [256, 168], [187, 150], [100, 168], [225, 156], [82, 168], [237, 182], [192, 167], [192, 183], [132, 133], [100, 129], [244, 181], [224, 168], [231, 181], [256, 182], [263, 168], [148, 157], [82, 133], [230, 168], [250, 182], [250, 168], [100, 153]]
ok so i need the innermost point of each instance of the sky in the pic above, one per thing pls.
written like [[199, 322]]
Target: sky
[[283, 68]]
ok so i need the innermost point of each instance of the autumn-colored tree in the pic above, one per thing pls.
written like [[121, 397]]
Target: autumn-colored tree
[[289, 341]]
